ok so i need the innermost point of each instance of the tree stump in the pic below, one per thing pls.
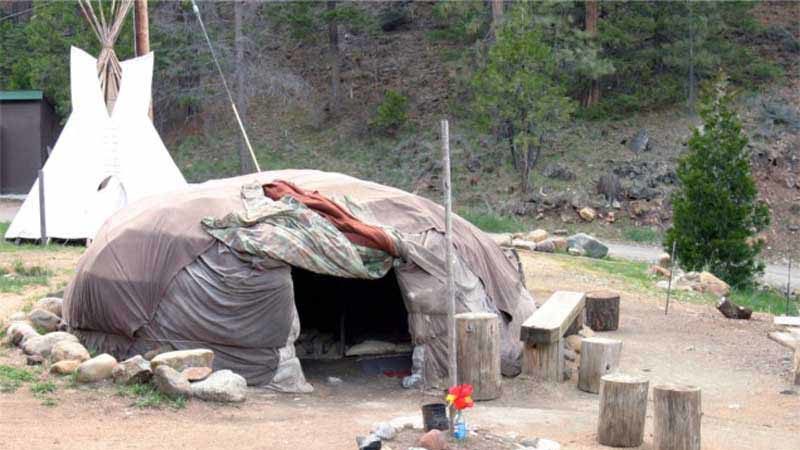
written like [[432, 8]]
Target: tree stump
[[478, 353], [602, 310], [623, 406], [676, 417], [599, 357]]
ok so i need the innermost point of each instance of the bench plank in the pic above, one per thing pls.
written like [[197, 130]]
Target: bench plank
[[549, 322], [787, 321]]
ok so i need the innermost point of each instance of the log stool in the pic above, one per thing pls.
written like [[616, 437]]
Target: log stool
[[602, 310], [599, 357], [676, 417], [478, 353], [623, 406]]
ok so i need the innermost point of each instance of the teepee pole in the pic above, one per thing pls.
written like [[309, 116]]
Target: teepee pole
[[448, 252]]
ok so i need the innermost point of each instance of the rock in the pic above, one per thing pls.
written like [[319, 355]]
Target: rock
[[664, 260], [640, 142], [197, 373], [221, 386], [433, 440], [64, 367], [412, 381], [45, 320], [569, 354], [19, 332], [616, 204], [639, 208], [591, 246], [558, 172], [732, 310], [546, 246], [709, 283], [149, 355], [135, 370], [524, 245], [559, 243], [407, 422], [18, 316], [611, 217], [34, 360], [560, 232], [44, 344], [182, 359], [588, 214], [574, 342], [659, 271], [170, 382], [663, 284], [370, 442], [96, 369], [540, 444], [68, 351], [501, 239], [537, 235], [566, 372], [586, 332], [384, 430], [53, 305], [576, 251]]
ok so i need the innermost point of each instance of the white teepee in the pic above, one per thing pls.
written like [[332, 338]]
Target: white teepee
[[101, 161]]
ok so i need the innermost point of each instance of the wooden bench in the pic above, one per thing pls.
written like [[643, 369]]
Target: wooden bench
[[790, 339], [542, 333]]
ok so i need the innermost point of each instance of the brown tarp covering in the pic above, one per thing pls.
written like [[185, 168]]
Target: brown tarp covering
[[153, 277]]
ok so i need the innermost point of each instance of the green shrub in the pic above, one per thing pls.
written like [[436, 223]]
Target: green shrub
[[392, 113], [715, 208]]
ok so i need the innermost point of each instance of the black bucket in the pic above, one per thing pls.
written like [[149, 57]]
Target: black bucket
[[434, 417]]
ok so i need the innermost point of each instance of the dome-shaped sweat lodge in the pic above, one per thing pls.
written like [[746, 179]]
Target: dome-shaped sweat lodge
[[221, 265]]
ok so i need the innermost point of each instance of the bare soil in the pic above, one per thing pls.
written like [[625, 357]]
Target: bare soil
[[742, 375]]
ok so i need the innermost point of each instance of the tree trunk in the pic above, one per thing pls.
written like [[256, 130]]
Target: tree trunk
[[241, 97], [142, 43], [592, 16], [602, 310], [599, 357], [623, 407], [692, 82], [529, 157], [478, 344], [497, 15], [676, 417], [333, 41]]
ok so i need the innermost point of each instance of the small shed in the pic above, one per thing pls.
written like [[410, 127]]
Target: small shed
[[29, 128]]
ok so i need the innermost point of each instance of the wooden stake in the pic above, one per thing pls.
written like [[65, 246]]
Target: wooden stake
[[671, 270], [448, 256], [42, 217], [676, 417]]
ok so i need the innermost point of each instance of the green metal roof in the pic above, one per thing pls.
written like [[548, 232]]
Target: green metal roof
[[10, 96]]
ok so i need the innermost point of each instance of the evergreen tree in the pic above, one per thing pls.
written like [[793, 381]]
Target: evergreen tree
[[715, 209]]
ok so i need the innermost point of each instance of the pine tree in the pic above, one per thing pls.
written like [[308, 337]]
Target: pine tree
[[715, 209]]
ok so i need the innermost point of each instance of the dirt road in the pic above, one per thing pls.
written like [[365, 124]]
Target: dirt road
[[742, 375]]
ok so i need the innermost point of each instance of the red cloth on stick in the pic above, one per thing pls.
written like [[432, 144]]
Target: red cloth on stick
[[355, 230]]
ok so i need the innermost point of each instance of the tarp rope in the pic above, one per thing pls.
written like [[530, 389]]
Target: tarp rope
[[225, 84]]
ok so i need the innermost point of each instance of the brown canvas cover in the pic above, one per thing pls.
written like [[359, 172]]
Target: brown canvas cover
[[155, 277]]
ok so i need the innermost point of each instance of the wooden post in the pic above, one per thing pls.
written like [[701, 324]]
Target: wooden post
[[478, 342], [623, 407], [448, 258], [42, 216], [602, 310], [676, 417], [796, 367], [142, 33], [599, 357]]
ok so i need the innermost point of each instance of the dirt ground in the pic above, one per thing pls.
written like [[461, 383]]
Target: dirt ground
[[747, 400]]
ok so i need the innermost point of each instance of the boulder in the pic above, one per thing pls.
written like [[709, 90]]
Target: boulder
[[201, 373], [64, 367], [96, 369], [523, 244], [559, 243], [545, 246], [574, 342], [537, 235], [501, 239], [52, 305], [135, 370], [585, 332], [68, 351], [45, 320], [384, 430], [44, 344], [370, 442], [664, 260], [170, 382], [558, 172], [710, 283], [576, 251], [34, 360], [659, 271], [221, 386], [433, 440], [640, 141], [183, 359], [588, 214], [18, 316], [588, 244], [19, 332]]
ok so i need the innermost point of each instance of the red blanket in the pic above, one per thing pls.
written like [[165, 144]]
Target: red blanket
[[355, 230]]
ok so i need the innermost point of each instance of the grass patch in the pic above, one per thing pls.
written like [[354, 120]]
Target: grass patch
[[10, 246], [43, 387], [20, 276], [492, 223], [11, 378], [147, 396], [765, 300], [642, 235]]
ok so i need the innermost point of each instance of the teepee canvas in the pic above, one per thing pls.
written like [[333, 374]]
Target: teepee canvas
[[106, 157]]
